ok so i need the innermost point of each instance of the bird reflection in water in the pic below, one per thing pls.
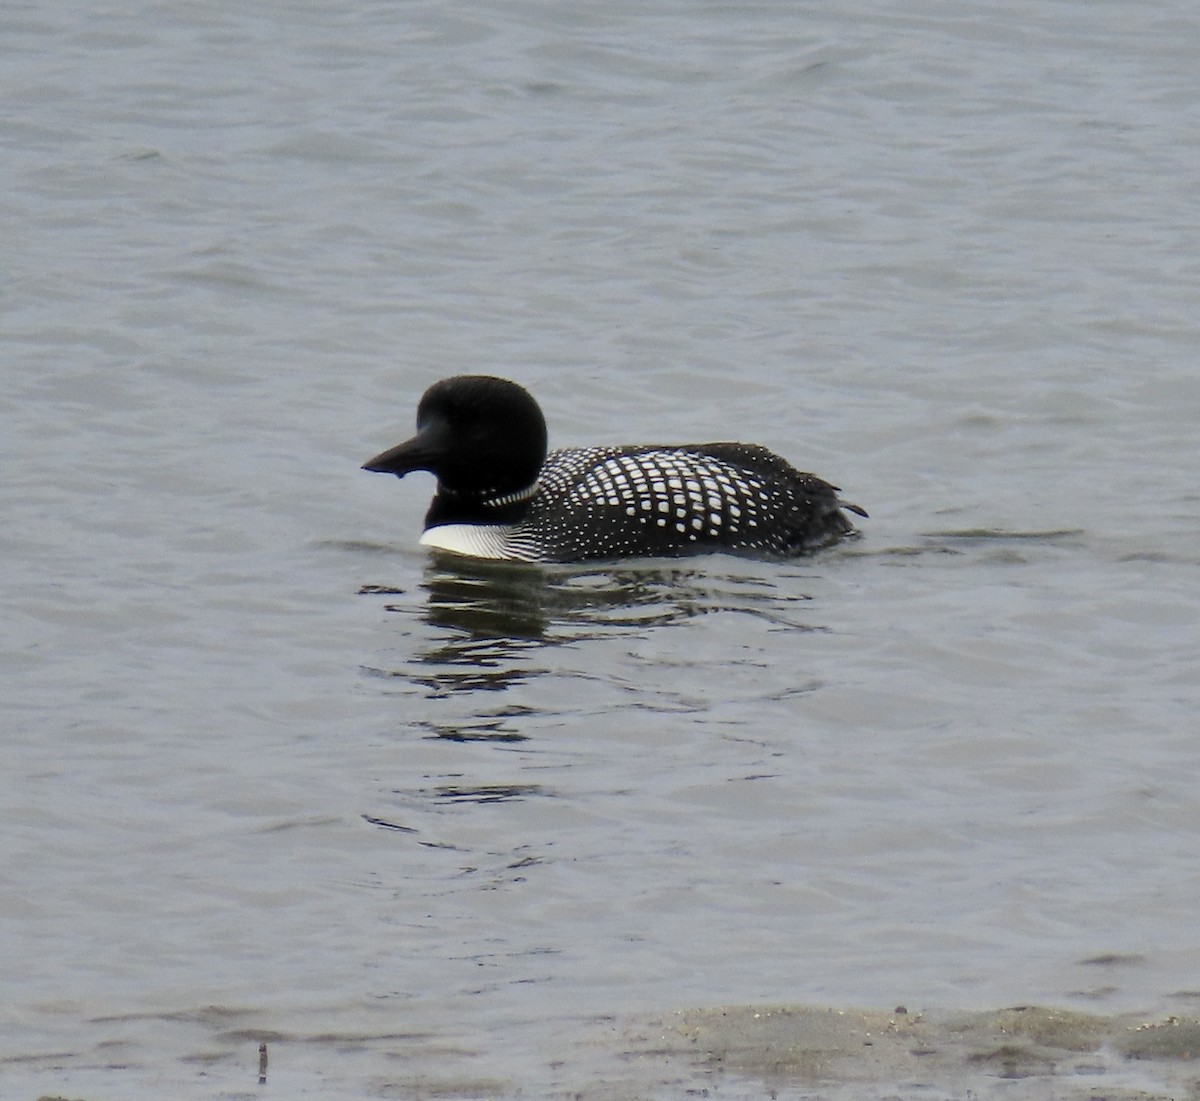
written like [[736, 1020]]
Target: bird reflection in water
[[486, 614], [488, 627]]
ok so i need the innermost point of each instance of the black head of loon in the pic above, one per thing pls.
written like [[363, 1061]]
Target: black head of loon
[[499, 495], [484, 439]]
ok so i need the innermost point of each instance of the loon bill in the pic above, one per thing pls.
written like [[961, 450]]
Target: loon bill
[[500, 495]]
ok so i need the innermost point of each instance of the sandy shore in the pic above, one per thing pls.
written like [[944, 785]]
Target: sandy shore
[[1027, 1052], [734, 1053]]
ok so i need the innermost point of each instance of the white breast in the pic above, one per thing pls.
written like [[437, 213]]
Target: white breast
[[475, 540]]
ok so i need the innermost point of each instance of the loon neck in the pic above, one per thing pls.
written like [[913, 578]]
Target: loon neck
[[454, 506]]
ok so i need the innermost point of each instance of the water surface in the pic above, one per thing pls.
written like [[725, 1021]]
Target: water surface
[[272, 773]]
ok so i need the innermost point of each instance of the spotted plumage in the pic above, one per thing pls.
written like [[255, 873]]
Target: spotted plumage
[[501, 496]]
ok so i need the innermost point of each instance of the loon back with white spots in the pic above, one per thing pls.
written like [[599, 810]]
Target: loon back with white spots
[[501, 496]]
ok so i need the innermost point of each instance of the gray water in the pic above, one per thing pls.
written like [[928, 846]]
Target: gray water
[[271, 773]]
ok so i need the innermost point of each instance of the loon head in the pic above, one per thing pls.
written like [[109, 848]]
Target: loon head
[[480, 436]]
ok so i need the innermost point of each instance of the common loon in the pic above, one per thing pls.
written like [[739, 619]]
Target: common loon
[[501, 496]]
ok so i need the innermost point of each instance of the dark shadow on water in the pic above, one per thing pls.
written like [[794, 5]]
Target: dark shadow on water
[[481, 603], [488, 729], [467, 631], [486, 793], [471, 626], [519, 601], [990, 535]]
